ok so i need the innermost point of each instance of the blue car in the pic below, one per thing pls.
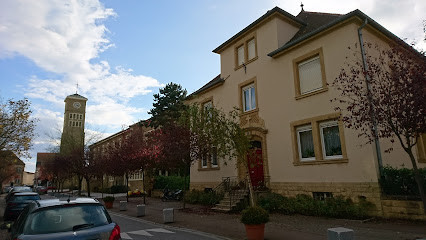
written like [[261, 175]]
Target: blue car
[[82, 218], [17, 203]]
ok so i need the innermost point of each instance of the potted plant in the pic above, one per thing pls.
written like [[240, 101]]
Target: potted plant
[[108, 200], [254, 219]]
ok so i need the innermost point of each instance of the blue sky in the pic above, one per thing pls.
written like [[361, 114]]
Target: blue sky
[[121, 52]]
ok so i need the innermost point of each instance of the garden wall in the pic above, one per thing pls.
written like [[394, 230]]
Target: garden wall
[[403, 209]]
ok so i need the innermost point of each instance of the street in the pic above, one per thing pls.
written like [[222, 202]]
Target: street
[[134, 228]]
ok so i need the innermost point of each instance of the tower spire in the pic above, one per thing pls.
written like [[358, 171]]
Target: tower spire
[[301, 5], [76, 90]]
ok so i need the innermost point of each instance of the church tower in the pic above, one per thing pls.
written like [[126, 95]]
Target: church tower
[[74, 118]]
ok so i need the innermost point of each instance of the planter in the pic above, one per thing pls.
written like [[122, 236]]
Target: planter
[[108, 204], [255, 232]]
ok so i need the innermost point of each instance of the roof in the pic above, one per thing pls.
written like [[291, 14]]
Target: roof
[[319, 22], [269, 13], [215, 81], [76, 96], [11, 156]]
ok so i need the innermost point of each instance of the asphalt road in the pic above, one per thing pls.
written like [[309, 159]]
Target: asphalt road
[[134, 228]]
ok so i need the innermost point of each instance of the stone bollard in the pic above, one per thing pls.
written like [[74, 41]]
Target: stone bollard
[[340, 233], [141, 210], [123, 205], [168, 215]]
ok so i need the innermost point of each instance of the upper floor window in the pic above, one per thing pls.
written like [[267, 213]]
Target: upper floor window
[[249, 98], [309, 74], [245, 52], [240, 55], [251, 49]]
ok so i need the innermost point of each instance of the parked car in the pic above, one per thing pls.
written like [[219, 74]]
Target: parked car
[[41, 189], [82, 218], [16, 190], [7, 189], [17, 203]]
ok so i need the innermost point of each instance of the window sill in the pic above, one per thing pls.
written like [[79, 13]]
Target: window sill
[[325, 89], [249, 112], [209, 169], [246, 63], [318, 162]]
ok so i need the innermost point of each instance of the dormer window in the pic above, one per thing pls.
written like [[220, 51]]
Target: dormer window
[[245, 52], [240, 55], [251, 49]]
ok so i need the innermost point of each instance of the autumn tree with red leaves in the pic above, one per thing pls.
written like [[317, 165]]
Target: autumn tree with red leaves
[[394, 103]]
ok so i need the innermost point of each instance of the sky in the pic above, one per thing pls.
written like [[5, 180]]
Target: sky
[[121, 52]]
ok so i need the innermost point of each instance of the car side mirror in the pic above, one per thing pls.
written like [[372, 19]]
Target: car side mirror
[[6, 225]]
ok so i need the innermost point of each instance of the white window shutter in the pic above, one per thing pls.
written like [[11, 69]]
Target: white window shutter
[[310, 76]]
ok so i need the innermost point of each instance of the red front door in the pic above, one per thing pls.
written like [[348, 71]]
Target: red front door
[[255, 167]]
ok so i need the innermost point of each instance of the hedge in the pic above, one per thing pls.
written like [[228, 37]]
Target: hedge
[[171, 182], [337, 207], [400, 181], [201, 197]]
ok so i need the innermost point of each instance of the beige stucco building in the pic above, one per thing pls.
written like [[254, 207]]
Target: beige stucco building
[[278, 71]]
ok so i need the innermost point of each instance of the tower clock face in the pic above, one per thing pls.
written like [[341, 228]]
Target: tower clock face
[[76, 105]]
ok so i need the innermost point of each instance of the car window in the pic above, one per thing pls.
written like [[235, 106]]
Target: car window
[[24, 198], [64, 218], [19, 221]]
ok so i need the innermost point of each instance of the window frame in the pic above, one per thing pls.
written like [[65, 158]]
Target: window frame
[[241, 87], [299, 129], [303, 59], [319, 150], [244, 44], [243, 90], [325, 124], [208, 157]]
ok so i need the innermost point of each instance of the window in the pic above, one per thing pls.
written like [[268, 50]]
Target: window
[[309, 74], [421, 148], [240, 55], [322, 195], [249, 98], [207, 106], [305, 143], [245, 52], [204, 161], [81, 116], [319, 140], [214, 157], [70, 115], [330, 140], [138, 175], [251, 49]]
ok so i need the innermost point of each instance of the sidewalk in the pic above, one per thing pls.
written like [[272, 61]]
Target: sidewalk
[[203, 219]]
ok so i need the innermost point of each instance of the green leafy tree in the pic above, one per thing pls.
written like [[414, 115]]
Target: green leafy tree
[[168, 104]]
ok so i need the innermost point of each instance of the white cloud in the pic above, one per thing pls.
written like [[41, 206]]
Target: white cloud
[[66, 38]]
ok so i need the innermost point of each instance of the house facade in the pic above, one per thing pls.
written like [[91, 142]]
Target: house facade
[[13, 170], [278, 72], [101, 148]]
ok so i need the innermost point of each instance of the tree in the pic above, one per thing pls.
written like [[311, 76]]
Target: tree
[[389, 96], [168, 105], [16, 126], [128, 154]]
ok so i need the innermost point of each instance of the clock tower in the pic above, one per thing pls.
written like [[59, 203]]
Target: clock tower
[[74, 116]]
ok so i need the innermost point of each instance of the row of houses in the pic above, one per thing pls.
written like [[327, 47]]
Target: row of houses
[[15, 174]]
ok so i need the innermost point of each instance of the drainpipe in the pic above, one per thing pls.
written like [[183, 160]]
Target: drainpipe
[[370, 100]]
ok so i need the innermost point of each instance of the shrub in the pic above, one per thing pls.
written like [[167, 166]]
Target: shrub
[[203, 198], [108, 199], [337, 207], [118, 189], [171, 182], [400, 181], [254, 215]]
